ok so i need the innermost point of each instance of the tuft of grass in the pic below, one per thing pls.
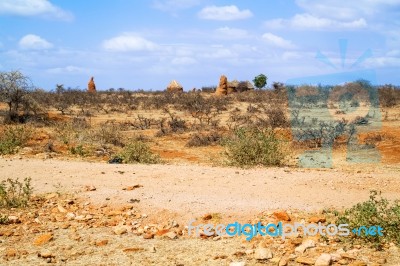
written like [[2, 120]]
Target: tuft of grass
[[138, 152], [14, 137], [15, 194], [253, 146], [376, 211]]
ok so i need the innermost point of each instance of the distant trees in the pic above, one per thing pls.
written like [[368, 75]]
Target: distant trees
[[260, 81]]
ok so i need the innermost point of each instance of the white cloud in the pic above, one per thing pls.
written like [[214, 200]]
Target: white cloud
[[231, 33], [175, 5], [219, 53], [184, 61], [224, 13], [33, 8], [68, 70], [308, 21], [34, 42], [278, 41], [127, 43], [346, 10]]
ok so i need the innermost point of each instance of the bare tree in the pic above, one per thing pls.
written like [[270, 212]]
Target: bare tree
[[14, 88]]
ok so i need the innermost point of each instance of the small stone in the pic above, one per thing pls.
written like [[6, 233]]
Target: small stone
[[237, 263], [171, 235], [282, 216], [152, 249], [43, 239], [324, 260], [61, 209], [305, 260], [70, 216], [45, 254], [101, 243], [13, 219], [275, 261], [381, 261], [207, 217], [283, 262], [134, 249], [10, 252], [317, 219], [119, 230], [90, 188], [148, 236], [263, 254], [358, 263], [305, 245]]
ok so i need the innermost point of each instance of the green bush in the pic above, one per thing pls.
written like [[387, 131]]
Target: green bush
[[253, 146], [15, 194], [14, 137], [138, 152], [375, 212]]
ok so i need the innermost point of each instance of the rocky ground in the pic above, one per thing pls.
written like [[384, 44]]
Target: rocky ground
[[99, 214]]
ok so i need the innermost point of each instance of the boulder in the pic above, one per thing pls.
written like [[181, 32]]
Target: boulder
[[223, 86], [232, 86], [91, 85], [174, 87]]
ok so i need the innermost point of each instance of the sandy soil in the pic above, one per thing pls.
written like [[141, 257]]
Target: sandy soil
[[192, 190]]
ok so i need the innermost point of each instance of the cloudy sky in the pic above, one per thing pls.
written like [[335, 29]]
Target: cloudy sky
[[144, 44]]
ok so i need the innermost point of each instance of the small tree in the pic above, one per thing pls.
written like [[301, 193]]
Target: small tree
[[14, 88], [260, 81]]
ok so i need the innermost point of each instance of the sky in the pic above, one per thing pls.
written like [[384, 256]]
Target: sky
[[144, 44]]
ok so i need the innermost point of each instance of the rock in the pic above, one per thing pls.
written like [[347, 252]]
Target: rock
[[130, 188], [45, 254], [120, 230], [134, 249], [237, 263], [91, 85], [275, 261], [101, 243], [263, 254], [90, 188], [61, 209], [70, 216], [43, 239], [317, 219], [152, 249], [305, 245], [13, 219], [222, 88], [207, 217], [174, 87], [323, 260], [10, 252], [171, 235], [148, 236], [283, 262], [282, 216], [357, 263], [305, 260]]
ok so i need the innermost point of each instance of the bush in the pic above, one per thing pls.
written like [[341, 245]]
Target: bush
[[13, 137], [198, 140], [138, 152], [14, 194], [375, 212], [253, 146]]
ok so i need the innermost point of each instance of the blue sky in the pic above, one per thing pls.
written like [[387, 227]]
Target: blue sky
[[144, 44]]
